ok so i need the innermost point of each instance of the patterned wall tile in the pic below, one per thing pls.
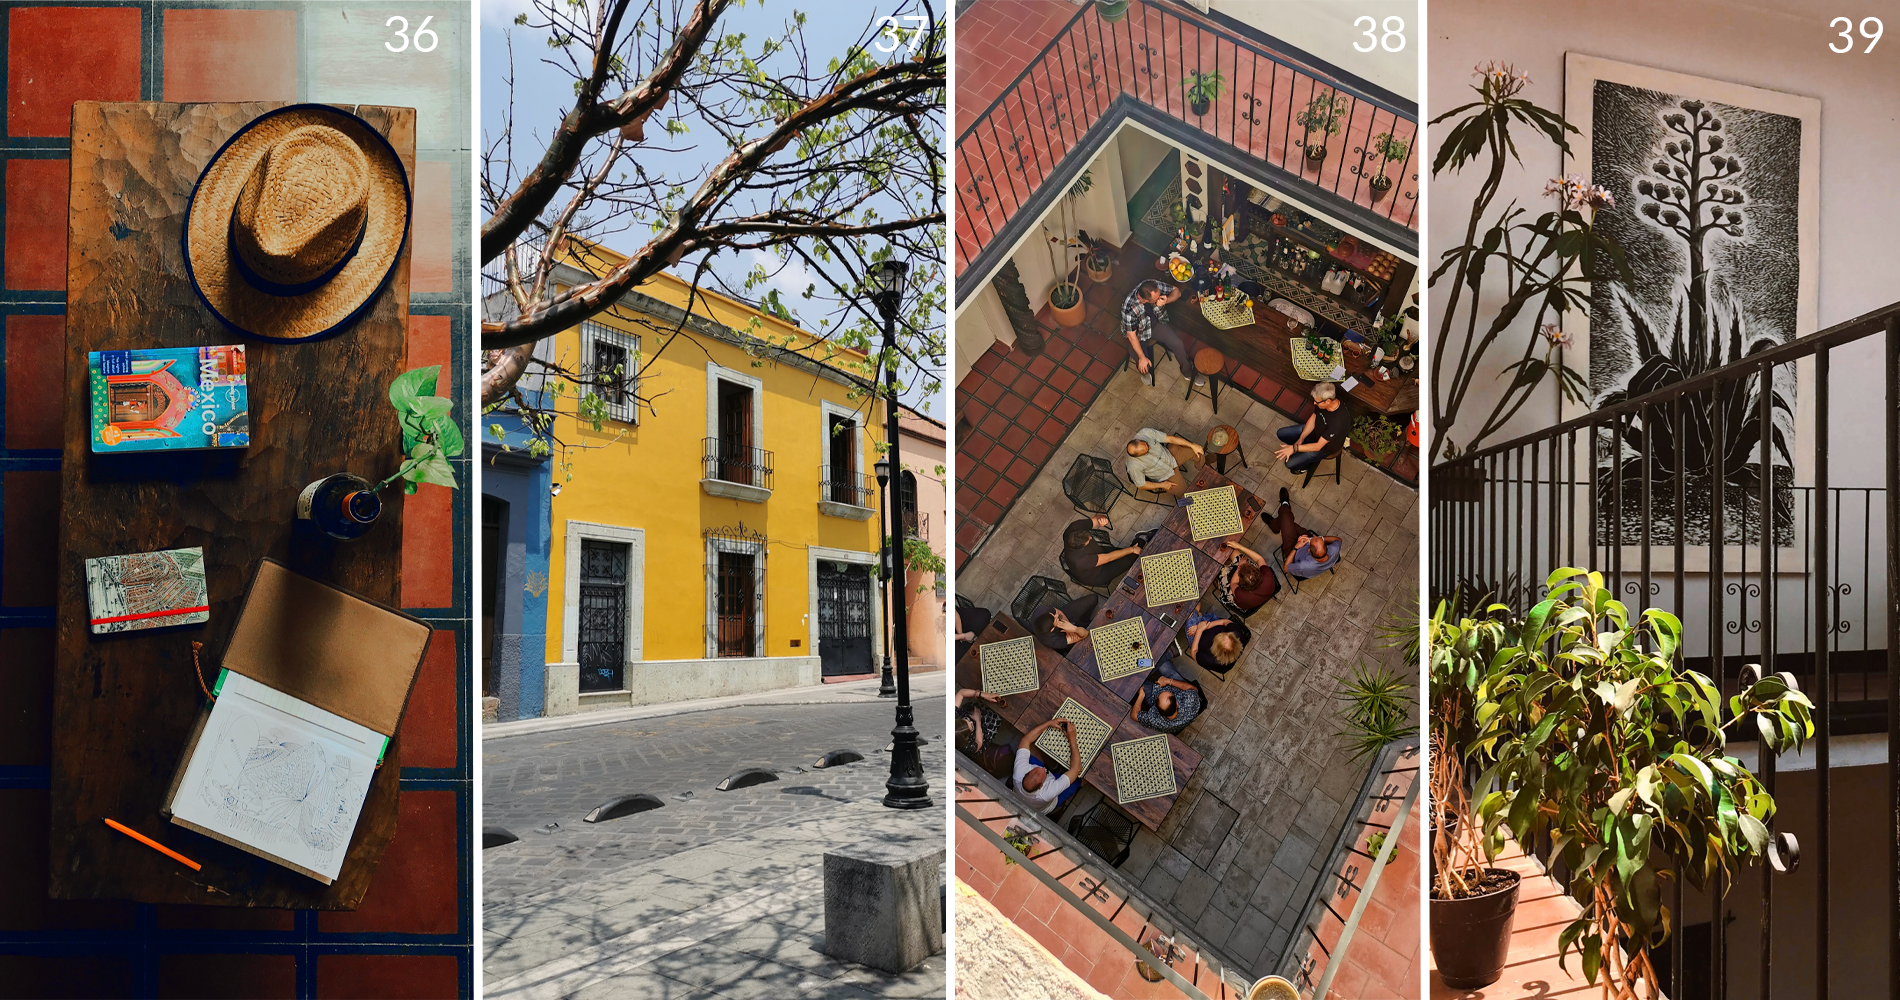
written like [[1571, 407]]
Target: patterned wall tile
[[220, 54]]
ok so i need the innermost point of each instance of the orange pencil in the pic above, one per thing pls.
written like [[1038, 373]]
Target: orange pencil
[[153, 844]]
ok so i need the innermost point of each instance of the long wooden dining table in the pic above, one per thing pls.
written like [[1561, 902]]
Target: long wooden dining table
[[1076, 676]]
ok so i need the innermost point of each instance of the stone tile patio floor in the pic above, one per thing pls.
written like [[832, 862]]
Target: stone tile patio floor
[[1238, 855]]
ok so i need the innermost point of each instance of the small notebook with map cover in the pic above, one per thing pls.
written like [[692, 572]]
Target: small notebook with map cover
[[146, 590], [313, 685]]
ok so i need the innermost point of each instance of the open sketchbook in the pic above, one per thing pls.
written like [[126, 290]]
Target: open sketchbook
[[277, 776]]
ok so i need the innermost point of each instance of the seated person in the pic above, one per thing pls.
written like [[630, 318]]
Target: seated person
[[1324, 433], [971, 622], [1308, 553], [1032, 777], [1217, 642], [1090, 562], [1166, 702], [1144, 322], [1245, 583], [1154, 461], [976, 725], [1060, 628]]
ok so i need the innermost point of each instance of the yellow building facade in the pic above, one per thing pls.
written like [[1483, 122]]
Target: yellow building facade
[[718, 535]]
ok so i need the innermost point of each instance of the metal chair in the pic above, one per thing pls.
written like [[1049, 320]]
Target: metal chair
[[1338, 455], [1155, 348], [1105, 830], [1037, 592], [1092, 485]]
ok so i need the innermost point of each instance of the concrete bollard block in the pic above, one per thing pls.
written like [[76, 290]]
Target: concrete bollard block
[[884, 904]]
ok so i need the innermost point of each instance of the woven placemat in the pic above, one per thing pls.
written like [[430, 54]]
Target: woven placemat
[[1169, 577], [1090, 734], [1214, 513], [1144, 769], [1118, 647], [1009, 667]]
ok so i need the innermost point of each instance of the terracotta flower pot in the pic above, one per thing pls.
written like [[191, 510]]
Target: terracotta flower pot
[[1070, 315], [1098, 276], [1471, 936], [1381, 186]]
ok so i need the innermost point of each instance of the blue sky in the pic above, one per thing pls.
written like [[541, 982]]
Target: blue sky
[[542, 92]]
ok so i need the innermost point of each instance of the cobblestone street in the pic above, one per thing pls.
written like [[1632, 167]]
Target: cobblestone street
[[713, 894]]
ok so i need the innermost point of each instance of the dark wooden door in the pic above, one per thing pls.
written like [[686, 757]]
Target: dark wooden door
[[735, 433], [843, 458], [737, 596], [844, 618], [603, 617]]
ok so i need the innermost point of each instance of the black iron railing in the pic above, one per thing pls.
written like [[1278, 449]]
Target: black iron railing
[[841, 486], [917, 525], [1012, 153], [728, 462], [1710, 500], [1353, 870]]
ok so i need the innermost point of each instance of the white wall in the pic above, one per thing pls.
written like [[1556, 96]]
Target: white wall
[[1325, 29], [1140, 154], [981, 323], [1774, 44]]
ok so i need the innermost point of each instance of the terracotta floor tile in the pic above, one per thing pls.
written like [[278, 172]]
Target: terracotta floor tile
[[36, 367], [44, 45], [394, 977], [415, 888], [249, 977], [31, 539], [36, 217]]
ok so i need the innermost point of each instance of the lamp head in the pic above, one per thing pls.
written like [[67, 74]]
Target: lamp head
[[883, 467], [885, 283]]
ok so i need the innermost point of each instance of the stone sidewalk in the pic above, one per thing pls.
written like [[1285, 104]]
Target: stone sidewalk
[[715, 894]]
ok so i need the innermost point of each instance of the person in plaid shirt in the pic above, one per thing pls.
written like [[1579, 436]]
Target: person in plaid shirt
[[1144, 324]]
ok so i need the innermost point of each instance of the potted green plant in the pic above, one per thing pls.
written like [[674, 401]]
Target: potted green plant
[[1596, 740], [1111, 10], [1389, 148], [1321, 115], [1203, 89], [1099, 262], [1378, 708], [1065, 297], [1377, 436]]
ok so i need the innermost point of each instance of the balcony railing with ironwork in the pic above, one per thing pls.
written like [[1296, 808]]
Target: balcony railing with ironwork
[[1016, 157], [727, 462], [841, 486], [1770, 570], [917, 525]]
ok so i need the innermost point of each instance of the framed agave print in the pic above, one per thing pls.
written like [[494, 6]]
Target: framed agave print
[[1716, 208]]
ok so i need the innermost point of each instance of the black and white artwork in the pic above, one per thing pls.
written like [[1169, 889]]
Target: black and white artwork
[[1713, 209]]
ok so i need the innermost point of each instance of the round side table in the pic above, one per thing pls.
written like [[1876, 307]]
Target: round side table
[[1223, 441]]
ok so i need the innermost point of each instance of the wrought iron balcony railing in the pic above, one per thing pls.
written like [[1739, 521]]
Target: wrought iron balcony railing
[[1018, 154], [917, 525], [727, 462], [840, 486], [1714, 498]]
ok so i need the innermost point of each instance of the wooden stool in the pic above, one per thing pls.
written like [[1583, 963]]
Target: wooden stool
[[1208, 362], [1221, 442]]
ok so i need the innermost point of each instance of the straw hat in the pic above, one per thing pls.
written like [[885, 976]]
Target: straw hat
[[297, 223]]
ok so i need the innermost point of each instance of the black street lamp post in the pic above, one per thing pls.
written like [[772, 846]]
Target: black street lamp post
[[888, 688], [906, 787]]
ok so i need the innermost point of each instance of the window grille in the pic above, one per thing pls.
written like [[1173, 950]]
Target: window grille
[[735, 591], [609, 364]]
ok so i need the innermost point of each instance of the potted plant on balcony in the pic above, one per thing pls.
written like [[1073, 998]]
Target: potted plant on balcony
[[1065, 297], [1321, 115], [1389, 148], [1111, 10], [1604, 746], [1099, 262], [1203, 89]]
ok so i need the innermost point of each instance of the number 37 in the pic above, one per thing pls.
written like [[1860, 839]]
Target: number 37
[[1394, 29]]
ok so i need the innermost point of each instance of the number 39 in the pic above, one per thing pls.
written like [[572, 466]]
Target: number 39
[[1394, 28], [1848, 34], [403, 33]]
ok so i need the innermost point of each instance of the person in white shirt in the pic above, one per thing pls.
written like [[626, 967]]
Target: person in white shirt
[[1032, 779]]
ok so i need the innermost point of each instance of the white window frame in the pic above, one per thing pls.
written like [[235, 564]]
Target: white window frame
[[627, 412], [714, 546], [717, 373], [635, 539], [826, 410]]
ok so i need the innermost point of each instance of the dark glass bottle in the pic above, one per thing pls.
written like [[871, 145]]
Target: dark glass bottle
[[341, 506]]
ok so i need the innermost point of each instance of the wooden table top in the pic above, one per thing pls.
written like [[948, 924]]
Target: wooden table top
[[1264, 348], [124, 705], [1062, 679]]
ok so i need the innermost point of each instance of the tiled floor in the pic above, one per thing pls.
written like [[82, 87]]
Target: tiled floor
[[1077, 65], [1238, 855], [1382, 959], [1014, 409], [411, 936]]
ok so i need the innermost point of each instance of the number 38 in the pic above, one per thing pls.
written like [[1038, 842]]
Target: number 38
[[1394, 29]]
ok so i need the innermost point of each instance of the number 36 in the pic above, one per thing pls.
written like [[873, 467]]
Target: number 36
[[403, 33]]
